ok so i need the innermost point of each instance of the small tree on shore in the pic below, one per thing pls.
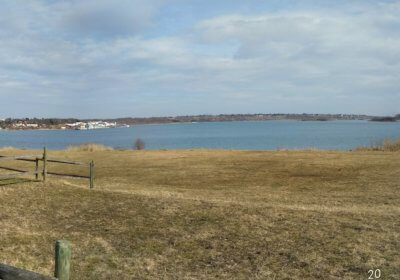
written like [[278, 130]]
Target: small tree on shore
[[139, 144]]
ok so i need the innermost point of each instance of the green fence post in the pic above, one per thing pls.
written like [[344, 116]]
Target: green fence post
[[37, 169], [44, 164], [62, 260], [91, 169]]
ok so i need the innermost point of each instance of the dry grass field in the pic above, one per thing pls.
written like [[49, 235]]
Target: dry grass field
[[209, 215]]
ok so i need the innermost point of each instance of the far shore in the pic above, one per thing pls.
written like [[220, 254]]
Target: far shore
[[189, 122], [83, 124]]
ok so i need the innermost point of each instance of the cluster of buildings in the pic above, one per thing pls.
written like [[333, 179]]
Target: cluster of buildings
[[89, 125], [18, 125], [32, 124], [23, 125]]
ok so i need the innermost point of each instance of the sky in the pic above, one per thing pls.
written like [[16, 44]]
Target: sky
[[132, 58]]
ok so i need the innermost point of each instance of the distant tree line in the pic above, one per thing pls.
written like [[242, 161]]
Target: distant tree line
[[239, 117], [42, 121], [386, 119]]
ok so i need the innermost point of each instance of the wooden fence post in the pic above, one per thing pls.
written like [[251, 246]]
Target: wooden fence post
[[44, 164], [91, 170], [37, 169], [62, 260]]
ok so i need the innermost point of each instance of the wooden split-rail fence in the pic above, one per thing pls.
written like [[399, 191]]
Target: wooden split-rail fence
[[44, 172], [62, 259]]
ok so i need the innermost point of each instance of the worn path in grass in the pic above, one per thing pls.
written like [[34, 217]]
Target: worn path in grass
[[210, 215]]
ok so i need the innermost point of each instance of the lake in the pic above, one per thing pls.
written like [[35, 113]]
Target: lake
[[248, 135]]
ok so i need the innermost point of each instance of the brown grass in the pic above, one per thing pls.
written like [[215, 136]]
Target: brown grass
[[392, 146], [211, 215], [387, 145], [89, 147], [7, 148]]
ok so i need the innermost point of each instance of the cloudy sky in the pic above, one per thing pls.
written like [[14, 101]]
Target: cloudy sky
[[113, 58]]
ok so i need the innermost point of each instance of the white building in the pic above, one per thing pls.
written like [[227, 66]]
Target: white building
[[90, 125]]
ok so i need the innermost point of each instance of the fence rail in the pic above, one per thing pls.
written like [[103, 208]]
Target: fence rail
[[61, 271], [45, 172], [24, 158], [12, 273], [67, 175], [65, 161]]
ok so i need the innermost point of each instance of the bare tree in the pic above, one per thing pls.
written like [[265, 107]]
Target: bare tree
[[139, 144]]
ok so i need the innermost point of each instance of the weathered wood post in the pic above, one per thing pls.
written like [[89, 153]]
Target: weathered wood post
[[62, 260], [91, 171], [44, 164], [37, 168]]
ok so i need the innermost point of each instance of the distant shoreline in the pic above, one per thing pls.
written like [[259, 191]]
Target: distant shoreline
[[174, 123], [72, 123], [177, 123]]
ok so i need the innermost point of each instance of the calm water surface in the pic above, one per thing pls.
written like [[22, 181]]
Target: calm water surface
[[262, 135]]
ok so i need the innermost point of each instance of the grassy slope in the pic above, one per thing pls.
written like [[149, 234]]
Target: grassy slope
[[211, 214]]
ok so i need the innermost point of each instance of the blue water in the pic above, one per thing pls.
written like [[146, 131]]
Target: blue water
[[252, 135]]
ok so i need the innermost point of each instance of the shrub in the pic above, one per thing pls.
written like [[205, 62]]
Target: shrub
[[387, 145], [89, 147], [139, 144], [392, 146], [8, 148]]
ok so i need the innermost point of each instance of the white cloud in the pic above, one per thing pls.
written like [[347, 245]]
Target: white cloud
[[351, 53], [101, 52]]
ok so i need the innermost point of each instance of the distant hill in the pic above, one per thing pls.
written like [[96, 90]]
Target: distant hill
[[385, 119], [239, 117]]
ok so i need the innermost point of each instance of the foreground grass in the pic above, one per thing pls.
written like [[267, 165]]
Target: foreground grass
[[210, 215]]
